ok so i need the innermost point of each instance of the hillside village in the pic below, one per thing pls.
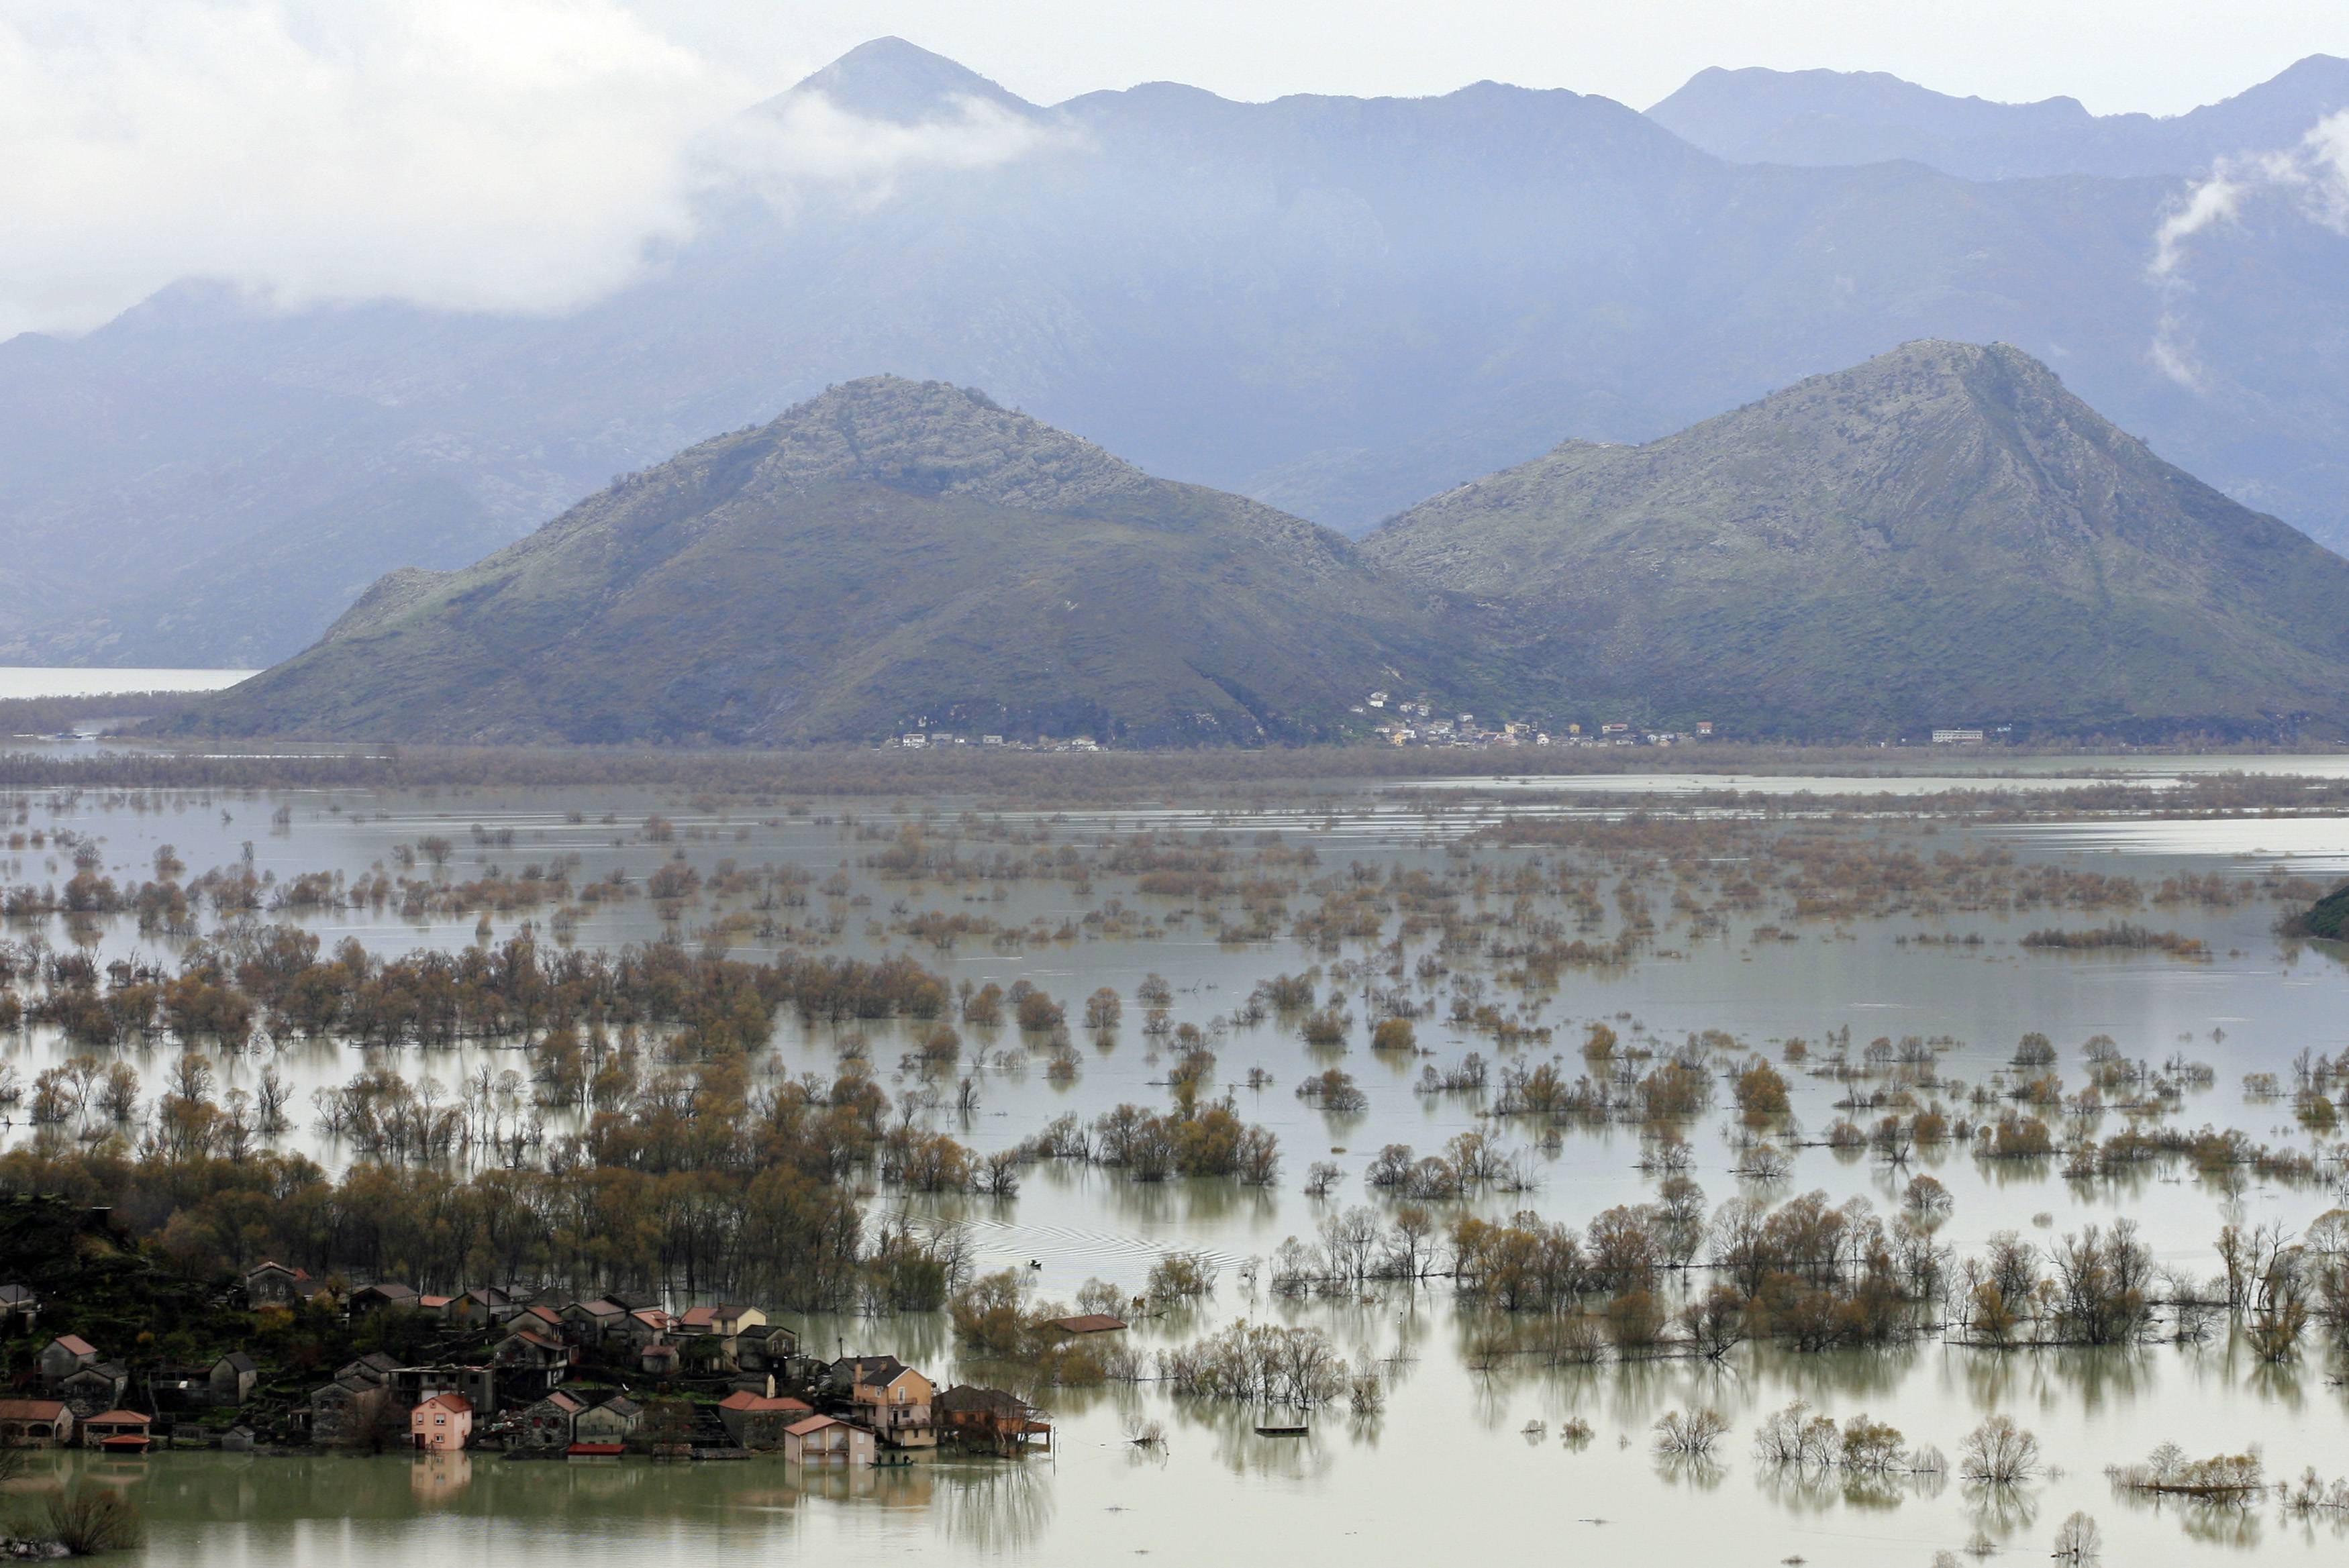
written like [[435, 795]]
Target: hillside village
[[548, 1375]]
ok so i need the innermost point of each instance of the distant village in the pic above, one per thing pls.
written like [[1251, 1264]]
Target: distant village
[[1415, 722], [547, 1377], [1399, 722]]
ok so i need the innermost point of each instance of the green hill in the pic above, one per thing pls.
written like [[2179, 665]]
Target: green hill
[[1941, 534], [888, 555]]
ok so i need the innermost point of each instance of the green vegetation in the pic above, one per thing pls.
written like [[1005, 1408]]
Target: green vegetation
[[1943, 533], [887, 557]]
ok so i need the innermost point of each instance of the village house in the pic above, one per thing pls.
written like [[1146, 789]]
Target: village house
[[547, 1424], [608, 1424], [230, 1378], [442, 1423], [478, 1386], [1087, 1323], [758, 1420], [117, 1432], [35, 1423], [658, 1361], [346, 1412], [99, 1388], [888, 1396], [767, 1348], [723, 1321], [63, 1357], [591, 1322], [989, 1420], [20, 1310], [435, 1305], [532, 1361], [537, 1317], [478, 1308], [370, 1298], [375, 1367], [271, 1284], [645, 1325], [823, 1440]]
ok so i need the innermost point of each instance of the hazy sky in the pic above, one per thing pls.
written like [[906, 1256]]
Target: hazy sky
[[2159, 57], [520, 154]]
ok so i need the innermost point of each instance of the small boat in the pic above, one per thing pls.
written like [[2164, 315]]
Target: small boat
[[1281, 1429]]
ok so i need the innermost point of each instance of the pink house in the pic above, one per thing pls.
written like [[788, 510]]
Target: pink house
[[442, 1422], [822, 1439]]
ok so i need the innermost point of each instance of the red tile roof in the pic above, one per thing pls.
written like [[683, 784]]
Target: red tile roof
[[743, 1399]]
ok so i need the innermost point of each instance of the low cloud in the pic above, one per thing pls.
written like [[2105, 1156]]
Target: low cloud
[[513, 156], [2311, 178]]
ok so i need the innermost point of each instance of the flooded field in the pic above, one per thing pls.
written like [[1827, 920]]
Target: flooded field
[[1553, 1009]]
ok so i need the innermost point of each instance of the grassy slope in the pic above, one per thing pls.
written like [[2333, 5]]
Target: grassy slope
[[886, 553], [1941, 533]]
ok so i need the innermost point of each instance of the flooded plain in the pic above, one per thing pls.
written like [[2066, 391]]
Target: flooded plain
[[1717, 931]]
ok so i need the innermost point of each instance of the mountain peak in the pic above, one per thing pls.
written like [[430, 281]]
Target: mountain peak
[[931, 437], [891, 79], [1941, 531]]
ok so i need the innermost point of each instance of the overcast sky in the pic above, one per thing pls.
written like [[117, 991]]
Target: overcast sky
[[2159, 57], [520, 154]]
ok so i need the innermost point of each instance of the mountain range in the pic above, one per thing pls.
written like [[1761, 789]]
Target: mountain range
[[1333, 306], [890, 555], [1943, 533], [1829, 117]]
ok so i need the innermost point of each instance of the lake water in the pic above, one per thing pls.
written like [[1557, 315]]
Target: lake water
[[38, 680], [1452, 1441]]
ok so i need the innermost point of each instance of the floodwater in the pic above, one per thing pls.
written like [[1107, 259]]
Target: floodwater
[[42, 680], [1452, 1450]]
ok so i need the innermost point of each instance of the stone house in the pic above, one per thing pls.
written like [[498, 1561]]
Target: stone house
[[478, 1386], [35, 1423], [99, 1388], [477, 1307], [645, 1325], [442, 1423], [613, 1421], [760, 1420], [230, 1378], [117, 1432], [593, 1322], [270, 1284], [380, 1296], [346, 1412], [63, 1357], [531, 1361], [549, 1423], [767, 1348]]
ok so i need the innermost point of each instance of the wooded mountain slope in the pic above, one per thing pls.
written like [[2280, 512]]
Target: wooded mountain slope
[[889, 554], [1944, 533], [1336, 305]]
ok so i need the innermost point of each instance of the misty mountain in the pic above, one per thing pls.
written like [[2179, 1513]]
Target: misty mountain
[[891, 554], [1942, 534], [1335, 306], [1822, 117]]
